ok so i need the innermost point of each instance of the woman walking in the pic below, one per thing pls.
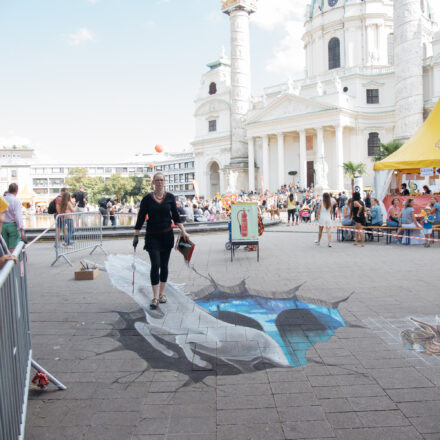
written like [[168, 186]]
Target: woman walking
[[160, 206], [324, 217], [358, 216]]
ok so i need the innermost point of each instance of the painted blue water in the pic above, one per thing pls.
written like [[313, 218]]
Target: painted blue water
[[295, 325]]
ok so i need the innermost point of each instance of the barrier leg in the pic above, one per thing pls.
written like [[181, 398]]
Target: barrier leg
[[52, 378], [62, 256], [98, 246]]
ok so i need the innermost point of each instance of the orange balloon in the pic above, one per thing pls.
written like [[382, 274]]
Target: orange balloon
[[158, 148], [151, 165]]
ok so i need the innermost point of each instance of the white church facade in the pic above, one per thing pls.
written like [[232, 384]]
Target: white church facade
[[371, 76]]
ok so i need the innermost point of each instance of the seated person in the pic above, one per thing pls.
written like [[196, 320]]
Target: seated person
[[435, 210], [346, 216], [375, 216], [426, 190], [393, 217], [376, 213], [405, 190]]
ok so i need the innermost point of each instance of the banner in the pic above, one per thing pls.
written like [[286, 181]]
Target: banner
[[244, 222], [427, 172]]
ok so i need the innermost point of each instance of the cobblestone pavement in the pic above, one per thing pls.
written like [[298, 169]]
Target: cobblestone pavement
[[362, 383]]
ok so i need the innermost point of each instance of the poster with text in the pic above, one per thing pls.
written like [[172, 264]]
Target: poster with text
[[244, 222]]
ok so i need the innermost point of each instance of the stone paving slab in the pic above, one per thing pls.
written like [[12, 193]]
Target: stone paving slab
[[361, 383]]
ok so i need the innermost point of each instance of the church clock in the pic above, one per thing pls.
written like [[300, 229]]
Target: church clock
[[332, 3]]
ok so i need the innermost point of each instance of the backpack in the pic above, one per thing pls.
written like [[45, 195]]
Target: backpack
[[52, 208], [103, 202]]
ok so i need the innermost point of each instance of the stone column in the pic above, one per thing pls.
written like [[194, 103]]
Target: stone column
[[239, 12], [280, 138], [408, 68], [302, 159], [266, 161], [251, 166], [320, 165], [339, 129]]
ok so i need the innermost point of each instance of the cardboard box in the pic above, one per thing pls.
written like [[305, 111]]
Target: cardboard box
[[86, 274]]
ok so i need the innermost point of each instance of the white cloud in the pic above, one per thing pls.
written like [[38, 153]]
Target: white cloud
[[13, 139], [82, 36], [93, 1], [288, 56]]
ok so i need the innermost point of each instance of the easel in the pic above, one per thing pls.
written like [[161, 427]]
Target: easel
[[237, 244]]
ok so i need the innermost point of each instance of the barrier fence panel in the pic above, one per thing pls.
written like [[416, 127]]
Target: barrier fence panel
[[15, 347], [77, 231]]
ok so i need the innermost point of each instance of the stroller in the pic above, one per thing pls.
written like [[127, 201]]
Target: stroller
[[305, 215]]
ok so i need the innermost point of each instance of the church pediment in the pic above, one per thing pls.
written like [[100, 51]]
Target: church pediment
[[288, 106]]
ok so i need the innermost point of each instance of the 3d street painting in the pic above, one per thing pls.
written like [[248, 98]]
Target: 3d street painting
[[415, 338], [424, 337], [220, 326]]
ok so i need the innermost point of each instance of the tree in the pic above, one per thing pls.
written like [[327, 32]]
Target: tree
[[93, 186], [386, 149], [76, 178], [293, 174], [118, 187], [353, 170], [142, 186]]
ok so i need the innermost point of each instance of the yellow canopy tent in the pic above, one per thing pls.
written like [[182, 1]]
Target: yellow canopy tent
[[27, 195], [421, 151]]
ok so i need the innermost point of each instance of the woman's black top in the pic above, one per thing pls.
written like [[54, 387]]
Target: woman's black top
[[159, 214], [359, 213], [159, 236]]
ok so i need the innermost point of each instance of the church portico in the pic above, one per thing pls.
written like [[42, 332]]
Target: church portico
[[350, 100], [276, 153]]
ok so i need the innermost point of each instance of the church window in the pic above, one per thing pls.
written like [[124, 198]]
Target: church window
[[372, 96], [212, 88], [213, 125], [390, 49], [334, 54], [373, 143]]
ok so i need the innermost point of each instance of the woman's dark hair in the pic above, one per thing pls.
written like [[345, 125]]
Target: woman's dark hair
[[409, 202], [395, 198], [326, 200], [426, 188], [291, 197], [356, 196]]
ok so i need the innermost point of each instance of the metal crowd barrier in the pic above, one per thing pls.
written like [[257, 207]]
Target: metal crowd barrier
[[15, 347], [76, 232]]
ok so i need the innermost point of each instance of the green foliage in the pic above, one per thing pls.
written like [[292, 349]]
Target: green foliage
[[292, 173], [142, 186], [387, 149], [116, 187], [353, 170]]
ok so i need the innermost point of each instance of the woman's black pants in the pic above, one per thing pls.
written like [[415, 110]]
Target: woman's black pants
[[159, 266]]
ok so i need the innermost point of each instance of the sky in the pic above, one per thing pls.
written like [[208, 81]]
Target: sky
[[101, 80]]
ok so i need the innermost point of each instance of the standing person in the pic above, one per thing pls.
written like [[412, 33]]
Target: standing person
[[358, 216], [435, 209], [13, 227], [5, 256], [428, 220], [290, 209], [80, 199], [405, 190], [324, 217], [342, 200], [161, 209], [103, 209], [67, 206], [180, 210]]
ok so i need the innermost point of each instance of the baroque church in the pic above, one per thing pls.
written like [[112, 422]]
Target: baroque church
[[372, 74]]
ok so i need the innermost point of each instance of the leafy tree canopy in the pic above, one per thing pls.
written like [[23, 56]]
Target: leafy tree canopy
[[387, 149]]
